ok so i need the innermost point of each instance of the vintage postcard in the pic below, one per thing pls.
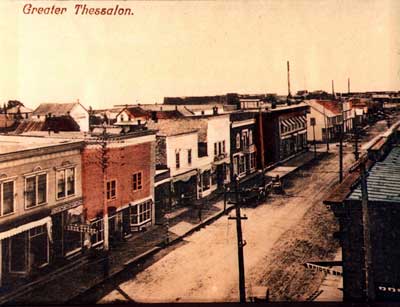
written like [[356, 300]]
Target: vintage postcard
[[199, 151]]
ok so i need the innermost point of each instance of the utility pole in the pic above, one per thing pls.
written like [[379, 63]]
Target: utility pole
[[240, 243], [312, 123], [355, 135], [333, 89], [369, 281], [348, 85], [261, 135], [104, 164], [326, 130], [341, 146], [288, 79]]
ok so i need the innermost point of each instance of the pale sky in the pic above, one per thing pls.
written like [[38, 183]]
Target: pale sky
[[182, 48]]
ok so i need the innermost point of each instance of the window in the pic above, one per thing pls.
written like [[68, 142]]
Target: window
[[237, 140], [97, 237], [7, 197], [35, 190], [223, 146], [189, 156], [250, 137], [137, 181], [39, 246], [65, 182], [206, 180], [140, 213], [111, 189], [215, 149], [177, 160]]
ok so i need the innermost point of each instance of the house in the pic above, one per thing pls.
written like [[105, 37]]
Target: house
[[283, 133], [131, 115], [243, 135], [327, 118], [75, 110], [16, 110], [383, 202], [41, 197]]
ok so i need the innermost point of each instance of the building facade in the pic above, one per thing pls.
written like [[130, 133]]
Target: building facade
[[243, 149], [284, 132], [41, 195], [126, 185]]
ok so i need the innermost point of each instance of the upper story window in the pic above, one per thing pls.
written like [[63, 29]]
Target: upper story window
[[219, 148], [111, 189], [7, 197], [137, 181], [177, 160], [189, 156], [245, 136], [65, 182], [35, 190], [237, 140], [251, 137]]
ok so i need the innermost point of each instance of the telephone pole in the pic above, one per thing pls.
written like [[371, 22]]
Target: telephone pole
[[240, 243], [369, 281]]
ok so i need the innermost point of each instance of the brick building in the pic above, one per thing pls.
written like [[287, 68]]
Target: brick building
[[129, 186]]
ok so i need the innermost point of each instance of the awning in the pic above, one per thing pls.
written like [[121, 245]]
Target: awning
[[28, 226], [185, 177], [285, 123]]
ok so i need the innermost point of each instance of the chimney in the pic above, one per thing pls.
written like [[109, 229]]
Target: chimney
[[154, 116], [333, 89]]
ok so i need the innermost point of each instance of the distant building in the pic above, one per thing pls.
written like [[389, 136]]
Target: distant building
[[284, 133], [328, 118], [75, 110], [243, 149]]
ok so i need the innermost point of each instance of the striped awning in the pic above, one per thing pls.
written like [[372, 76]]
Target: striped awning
[[17, 230]]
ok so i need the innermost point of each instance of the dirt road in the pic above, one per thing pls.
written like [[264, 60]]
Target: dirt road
[[281, 235]]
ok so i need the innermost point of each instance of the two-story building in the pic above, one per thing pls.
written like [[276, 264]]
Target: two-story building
[[118, 171], [327, 117], [283, 132], [40, 196], [243, 148]]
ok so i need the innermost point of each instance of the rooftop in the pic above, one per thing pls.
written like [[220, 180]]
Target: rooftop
[[13, 143], [168, 127], [383, 181], [56, 109], [329, 107]]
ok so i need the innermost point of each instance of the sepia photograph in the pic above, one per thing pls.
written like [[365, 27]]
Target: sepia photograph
[[199, 151]]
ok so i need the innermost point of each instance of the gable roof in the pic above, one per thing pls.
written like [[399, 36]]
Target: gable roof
[[328, 107], [57, 109]]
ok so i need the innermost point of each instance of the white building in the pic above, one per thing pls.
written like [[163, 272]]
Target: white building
[[328, 119], [74, 109]]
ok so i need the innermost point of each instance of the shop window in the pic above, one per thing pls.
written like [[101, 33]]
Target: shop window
[[206, 180], [35, 190], [7, 197], [39, 247], [18, 253], [189, 156], [140, 213], [97, 237], [137, 181], [65, 182], [111, 189]]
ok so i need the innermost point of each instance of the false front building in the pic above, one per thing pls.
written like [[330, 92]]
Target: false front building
[[40, 196]]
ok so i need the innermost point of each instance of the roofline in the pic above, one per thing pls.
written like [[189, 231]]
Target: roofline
[[32, 152]]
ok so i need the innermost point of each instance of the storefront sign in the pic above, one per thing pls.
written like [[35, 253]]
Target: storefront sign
[[67, 206], [81, 228]]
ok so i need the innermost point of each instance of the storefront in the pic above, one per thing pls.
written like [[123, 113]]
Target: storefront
[[68, 237], [25, 249]]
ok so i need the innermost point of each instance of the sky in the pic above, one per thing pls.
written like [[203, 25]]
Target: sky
[[188, 48]]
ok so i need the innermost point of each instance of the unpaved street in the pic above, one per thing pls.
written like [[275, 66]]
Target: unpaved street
[[205, 267]]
